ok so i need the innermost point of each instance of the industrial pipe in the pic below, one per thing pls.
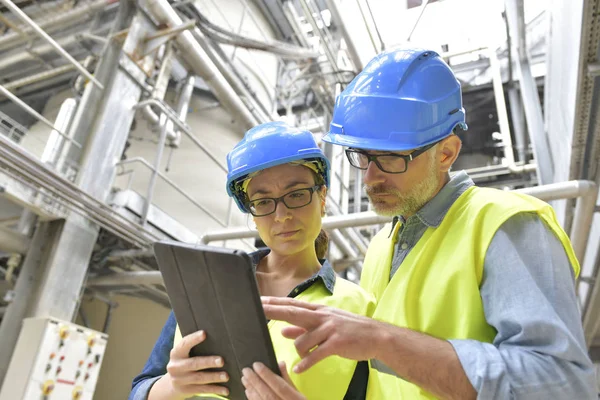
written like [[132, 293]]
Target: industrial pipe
[[127, 278], [12, 241], [196, 57]]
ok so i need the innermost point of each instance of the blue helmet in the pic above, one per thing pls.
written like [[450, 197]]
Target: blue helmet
[[403, 99], [268, 145]]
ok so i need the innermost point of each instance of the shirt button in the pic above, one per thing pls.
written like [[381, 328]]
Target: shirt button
[[404, 246]]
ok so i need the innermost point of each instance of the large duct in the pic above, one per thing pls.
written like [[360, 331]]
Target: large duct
[[198, 60]]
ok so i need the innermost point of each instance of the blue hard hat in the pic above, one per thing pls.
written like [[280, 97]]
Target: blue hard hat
[[268, 145], [403, 99]]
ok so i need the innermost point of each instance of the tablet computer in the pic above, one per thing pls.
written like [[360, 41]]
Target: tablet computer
[[214, 289]]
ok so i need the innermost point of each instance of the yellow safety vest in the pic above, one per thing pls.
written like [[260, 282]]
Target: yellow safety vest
[[436, 288], [330, 378]]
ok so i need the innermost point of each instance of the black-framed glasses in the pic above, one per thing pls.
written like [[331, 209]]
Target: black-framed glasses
[[295, 199], [391, 163]]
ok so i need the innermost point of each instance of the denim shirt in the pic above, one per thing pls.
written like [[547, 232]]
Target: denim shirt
[[156, 366], [528, 296]]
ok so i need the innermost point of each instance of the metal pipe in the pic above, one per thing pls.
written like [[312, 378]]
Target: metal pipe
[[529, 93], [110, 307], [58, 20], [33, 53], [16, 10], [33, 173], [522, 47], [232, 75], [501, 107], [330, 222], [12, 241], [328, 52], [54, 143], [516, 110], [451, 54], [357, 190], [342, 244], [127, 278], [423, 6], [582, 218], [593, 69], [159, 92], [364, 18], [35, 114], [375, 26], [555, 191], [164, 122], [183, 104], [28, 80], [199, 61], [181, 125], [351, 45]]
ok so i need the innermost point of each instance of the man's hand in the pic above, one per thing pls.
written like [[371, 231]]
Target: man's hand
[[320, 331], [263, 384]]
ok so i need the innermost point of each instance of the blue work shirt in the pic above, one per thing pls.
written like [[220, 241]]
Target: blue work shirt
[[156, 366], [528, 295]]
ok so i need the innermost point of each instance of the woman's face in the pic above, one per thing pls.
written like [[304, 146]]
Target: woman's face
[[287, 231]]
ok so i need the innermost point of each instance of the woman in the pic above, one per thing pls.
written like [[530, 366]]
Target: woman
[[278, 174]]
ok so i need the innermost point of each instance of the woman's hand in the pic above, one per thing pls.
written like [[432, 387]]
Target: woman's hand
[[186, 376], [263, 384]]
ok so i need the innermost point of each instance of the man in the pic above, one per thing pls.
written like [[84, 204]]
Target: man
[[475, 286]]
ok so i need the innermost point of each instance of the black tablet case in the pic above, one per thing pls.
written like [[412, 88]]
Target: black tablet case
[[214, 289]]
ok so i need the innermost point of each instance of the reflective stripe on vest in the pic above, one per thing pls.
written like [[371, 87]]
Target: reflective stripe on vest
[[329, 379], [436, 288]]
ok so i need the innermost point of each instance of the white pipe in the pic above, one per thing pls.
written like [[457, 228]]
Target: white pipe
[[127, 278], [17, 11], [58, 20], [12, 241], [35, 114], [199, 61], [342, 244], [587, 190], [501, 107], [54, 143], [28, 80], [183, 104], [555, 191], [333, 7]]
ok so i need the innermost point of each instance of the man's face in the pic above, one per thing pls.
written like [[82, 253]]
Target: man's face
[[406, 193]]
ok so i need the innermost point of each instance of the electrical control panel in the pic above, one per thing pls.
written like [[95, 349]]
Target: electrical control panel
[[54, 360]]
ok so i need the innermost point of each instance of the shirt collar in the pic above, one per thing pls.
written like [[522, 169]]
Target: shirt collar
[[436, 209], [325, 274]]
